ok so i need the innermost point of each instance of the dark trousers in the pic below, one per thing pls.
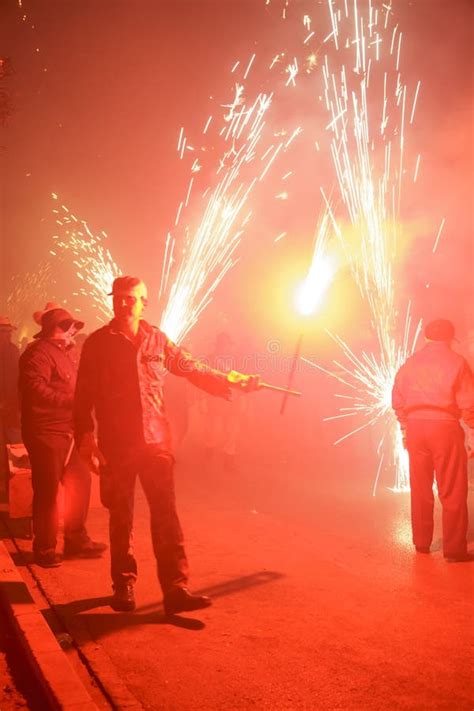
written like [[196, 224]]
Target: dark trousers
[[48, 454], [436, 448], [155, 471]]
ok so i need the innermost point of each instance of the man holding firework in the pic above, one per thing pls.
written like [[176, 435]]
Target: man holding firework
[[120, 380]]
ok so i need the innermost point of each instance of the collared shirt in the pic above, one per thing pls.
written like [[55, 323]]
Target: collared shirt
[[48, 370], [121, 381], [436, 383]]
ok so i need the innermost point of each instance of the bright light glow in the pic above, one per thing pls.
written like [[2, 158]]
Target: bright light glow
[[322, 269], [309, 293]]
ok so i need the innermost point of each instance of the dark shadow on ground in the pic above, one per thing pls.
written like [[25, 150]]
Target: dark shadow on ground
[[20, 669], [17, 591], [22, 558], [104, 623], [236, 585], [74, 615]]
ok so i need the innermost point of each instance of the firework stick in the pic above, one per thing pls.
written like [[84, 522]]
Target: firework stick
[[236, 378], [278, 389], [292, 373]]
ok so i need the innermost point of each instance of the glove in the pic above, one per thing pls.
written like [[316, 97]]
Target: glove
[[245, 383], [470, 443], [403, 433], [90, 452]]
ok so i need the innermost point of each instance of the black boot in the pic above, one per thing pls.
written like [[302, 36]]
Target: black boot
[[123, 599], [49, 559], [88, 549], [181, 600]]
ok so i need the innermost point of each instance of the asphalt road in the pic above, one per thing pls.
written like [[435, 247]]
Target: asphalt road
[[319, 600]]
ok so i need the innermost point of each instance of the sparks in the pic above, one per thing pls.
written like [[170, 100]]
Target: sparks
[[370, 377], [435, 246], [209, 251], [370, 185], [91, 258]]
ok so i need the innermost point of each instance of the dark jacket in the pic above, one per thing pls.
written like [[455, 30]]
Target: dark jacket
[[436, 383], [123, 383], [47, 381]]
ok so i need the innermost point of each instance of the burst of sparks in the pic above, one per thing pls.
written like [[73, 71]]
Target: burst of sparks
[[28, 292], [209, 251], [370, 379], [94, 264], [191, 275], [368, 156]]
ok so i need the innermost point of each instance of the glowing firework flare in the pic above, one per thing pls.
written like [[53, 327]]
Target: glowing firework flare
[[93, 261], [322, 268]]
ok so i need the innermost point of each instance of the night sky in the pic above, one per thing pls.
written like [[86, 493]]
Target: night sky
[[99, 92]]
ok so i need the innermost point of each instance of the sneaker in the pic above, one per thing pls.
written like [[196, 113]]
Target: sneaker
[[89, 549], [181, 600], [47, 560], [123, 599]]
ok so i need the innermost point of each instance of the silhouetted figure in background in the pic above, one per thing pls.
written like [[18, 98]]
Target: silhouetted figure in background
[[9, 404], [121, 379], [48, 370], [432, 391]]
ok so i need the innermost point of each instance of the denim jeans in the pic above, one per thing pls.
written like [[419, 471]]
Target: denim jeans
[[117, 480], [48, 454]]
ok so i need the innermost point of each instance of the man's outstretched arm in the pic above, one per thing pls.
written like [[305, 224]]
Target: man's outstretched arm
[[213, 381]]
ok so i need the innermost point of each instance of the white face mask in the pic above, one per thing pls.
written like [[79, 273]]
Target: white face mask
[[67, 337]]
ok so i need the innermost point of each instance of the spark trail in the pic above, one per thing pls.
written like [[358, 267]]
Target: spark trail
[[89, 256], [28, 292], [368, 154], [191, 275]]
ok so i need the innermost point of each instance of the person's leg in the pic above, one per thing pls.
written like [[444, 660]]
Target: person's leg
[[77, 489], [118, 494], [421, 484], [156, 476], [47, 455], [450, 461]]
